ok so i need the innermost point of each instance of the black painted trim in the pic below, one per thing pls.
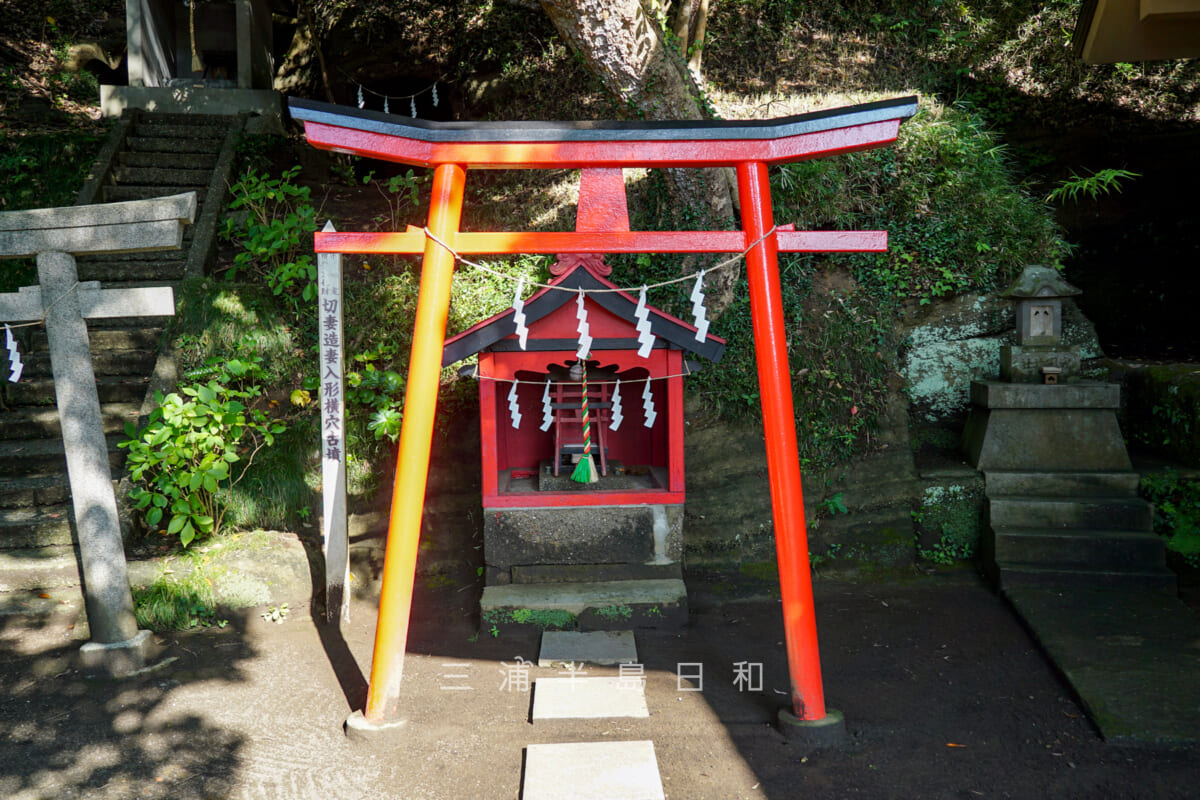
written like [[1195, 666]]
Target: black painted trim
[[501, 326], [600, 130]]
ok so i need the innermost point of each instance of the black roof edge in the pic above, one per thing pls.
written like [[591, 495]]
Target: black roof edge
[[601, 130]]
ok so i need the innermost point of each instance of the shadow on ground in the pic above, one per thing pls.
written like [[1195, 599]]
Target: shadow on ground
[[66, 735]]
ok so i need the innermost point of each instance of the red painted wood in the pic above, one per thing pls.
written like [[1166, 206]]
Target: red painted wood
[[412, 241], [674, 412], [783, 460], [565, 155], [581, 499], [488, 439], [602, 204]]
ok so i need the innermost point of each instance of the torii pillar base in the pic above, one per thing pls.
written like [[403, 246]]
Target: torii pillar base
[[119, 659], [359, 729], [817, 734]]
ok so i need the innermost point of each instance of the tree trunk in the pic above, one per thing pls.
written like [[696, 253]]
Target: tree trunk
[[624, 48]]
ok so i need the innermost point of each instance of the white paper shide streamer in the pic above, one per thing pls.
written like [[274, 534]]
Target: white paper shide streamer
[[518, 305], [547, 411], [698, 307], [648, 406], [618, 413], [514, 409], [14, 356], [585, 337], [361, 102], [642, 314]]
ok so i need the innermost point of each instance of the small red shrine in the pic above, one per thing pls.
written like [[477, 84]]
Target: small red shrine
[[529, 400]]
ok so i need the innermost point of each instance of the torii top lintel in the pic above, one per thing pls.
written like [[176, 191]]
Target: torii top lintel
[[557, 145]]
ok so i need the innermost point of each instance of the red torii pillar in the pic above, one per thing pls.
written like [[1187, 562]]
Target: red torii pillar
[[748, 146]]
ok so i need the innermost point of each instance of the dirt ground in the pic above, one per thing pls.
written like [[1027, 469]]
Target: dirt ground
[[944, 694]]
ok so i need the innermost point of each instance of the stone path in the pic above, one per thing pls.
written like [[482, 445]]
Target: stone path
[[1132, 656], [625, 770]]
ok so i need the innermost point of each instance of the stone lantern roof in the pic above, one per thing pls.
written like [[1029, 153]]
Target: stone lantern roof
[[1038, 281]]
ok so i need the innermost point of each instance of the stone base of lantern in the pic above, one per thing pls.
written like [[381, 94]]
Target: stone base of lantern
[[1025, 363]]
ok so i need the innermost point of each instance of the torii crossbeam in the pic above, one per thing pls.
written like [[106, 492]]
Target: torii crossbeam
[[600, 149]]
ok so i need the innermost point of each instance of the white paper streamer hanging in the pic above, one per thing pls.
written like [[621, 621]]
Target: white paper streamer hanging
[[412, 104], [698, 307], [648, 406], [386, 110], [618, 413], [547, 411], [14, 356], [642, 314], [585, 337], [435, 97], [518, 305], [514, 409], [361, 103]]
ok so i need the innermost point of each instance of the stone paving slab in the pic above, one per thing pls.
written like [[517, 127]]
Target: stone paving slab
[[592, 771], [1131, 655], [604, 648], [588, 698]]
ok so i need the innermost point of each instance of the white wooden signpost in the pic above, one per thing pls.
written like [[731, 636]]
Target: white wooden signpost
[[60, 302], [333, 437]]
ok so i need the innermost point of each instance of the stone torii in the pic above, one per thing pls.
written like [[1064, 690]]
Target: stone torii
[[62, 303]]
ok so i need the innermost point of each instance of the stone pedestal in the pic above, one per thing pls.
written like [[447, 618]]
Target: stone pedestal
[[1070, 427]]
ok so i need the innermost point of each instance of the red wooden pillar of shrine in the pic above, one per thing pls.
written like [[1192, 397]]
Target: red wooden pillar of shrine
[[749, 146]]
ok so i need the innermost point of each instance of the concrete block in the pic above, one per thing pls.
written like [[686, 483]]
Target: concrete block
[[1051, 439], [1032, 483], [1098, 514], [595, 535], [592, 771], [998, 394], [609, 605], [582, 697], [604, 648], [118, 659]]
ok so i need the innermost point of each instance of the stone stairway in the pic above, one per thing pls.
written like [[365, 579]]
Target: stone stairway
[[1072, 529], [147, 155], [1063, 509]]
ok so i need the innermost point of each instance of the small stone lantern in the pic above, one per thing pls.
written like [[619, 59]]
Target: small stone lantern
[[1039, 355]]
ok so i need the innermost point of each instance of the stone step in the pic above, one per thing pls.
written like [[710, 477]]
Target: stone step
[[143, 270], [177, 175], [35, 528], [41, 422], [603, 605], [112, 389], [46, 456], [1061, 484], [110, 362], [1010, 574], [151, 160], [184, 145], [114, 194], [50, 567], [1098, 513], [624, 770], [180, 130], [101, 339], [36, 490], [1114, 550]]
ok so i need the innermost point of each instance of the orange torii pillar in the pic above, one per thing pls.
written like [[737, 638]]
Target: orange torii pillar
[[748, 146]]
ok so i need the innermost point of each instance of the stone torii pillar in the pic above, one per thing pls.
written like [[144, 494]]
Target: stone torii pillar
[[55, 236]]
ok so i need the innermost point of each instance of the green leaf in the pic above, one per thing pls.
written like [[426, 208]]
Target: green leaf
[[177, 523], [154, 516]]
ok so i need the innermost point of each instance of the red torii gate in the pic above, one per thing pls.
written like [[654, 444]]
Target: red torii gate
[[600, 149]]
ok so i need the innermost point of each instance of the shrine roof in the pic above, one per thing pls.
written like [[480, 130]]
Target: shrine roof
[[489, 332]]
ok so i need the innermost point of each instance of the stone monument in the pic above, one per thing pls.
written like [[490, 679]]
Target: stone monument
[[62, 303], [1062, 494]]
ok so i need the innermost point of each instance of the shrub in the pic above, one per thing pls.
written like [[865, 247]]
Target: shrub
[[196, 442]]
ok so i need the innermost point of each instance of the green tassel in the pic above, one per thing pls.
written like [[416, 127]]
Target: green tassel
[[585, 470]]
